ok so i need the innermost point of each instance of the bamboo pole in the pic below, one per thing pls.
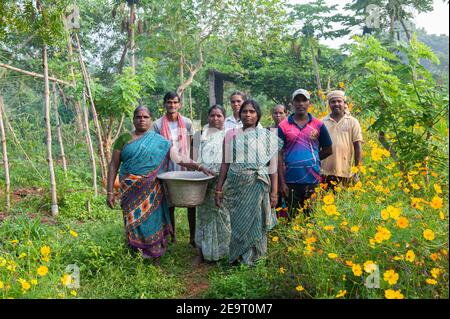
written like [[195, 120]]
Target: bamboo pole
[[103, 164], [58, 130], [33, 74], [54, 207], [5, 158], [89, 143]]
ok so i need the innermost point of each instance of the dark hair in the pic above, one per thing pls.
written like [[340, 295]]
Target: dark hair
[[171, 95], [142, 107], [241, 94], [255, 106], [219, 107], [279, 105]]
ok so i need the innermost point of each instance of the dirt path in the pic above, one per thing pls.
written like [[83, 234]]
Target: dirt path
[[196, 282]]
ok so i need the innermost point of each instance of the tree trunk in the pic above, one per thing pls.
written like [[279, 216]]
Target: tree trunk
[[54, 208], [78, 111], [316, 68], [103, 165], [132, 25], [181, 78], [192, 73], [5, 158], [89, 143], [58, 130], [190, 104]]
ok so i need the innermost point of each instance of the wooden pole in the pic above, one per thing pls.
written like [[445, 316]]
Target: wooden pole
[[103, 164], [132, 31], [89, 143], [54, 207], [33, 74], [5, 158], [58, 130]]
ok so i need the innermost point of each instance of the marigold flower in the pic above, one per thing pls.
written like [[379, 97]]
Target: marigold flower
[[25, 284], [42, 271], [402, 222], [299, 288], [34, 281], [349, 263], [357, 270], [1, 284], [391, 277], [370, 266], [434, 256], [328, 199], [332, 255], [437, 188], [66, 279], [393, 294], [328, 227], [441, 215], [341, 293], [330, 210], [73, 233], [296, 227], [431, 281], [282, 270], [410, 256], [354, 229], [428, 234], [384, 214], [436, 202], [341, 85], [45, 250], [73, 293], [435, 272], [394, 212], [275, 239]]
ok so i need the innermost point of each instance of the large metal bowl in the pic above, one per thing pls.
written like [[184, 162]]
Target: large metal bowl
[[185, 188]]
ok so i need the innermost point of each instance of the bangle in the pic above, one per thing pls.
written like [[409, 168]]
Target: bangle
[[198, 168]]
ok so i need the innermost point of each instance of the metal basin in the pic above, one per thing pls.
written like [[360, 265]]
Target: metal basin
[[185, 188]]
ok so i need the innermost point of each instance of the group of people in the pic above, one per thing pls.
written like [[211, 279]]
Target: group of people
[[254, 168]]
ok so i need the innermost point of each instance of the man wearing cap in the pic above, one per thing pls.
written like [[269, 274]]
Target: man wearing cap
[[346, 135], [306, 143]]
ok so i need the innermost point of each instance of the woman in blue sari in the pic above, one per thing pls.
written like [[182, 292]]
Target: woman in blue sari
[[141, 156]]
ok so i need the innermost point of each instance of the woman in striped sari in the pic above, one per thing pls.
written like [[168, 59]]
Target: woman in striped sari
[[253, 184], [141, 156]]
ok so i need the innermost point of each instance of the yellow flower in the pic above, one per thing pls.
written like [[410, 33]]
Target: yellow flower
[[394, 212], [415, 186], [434, 256], [1, 284], [357, 270], [282, 270], [355, 169], [435, 272], [428, 234], [332, 255], [330, 210], [431, 281], [22, 255], [410, 255], [384, 214], [436, 202], [42, 271], [310, 240], [391, 277], [354, 229], [370, 266], [275, 239], [441, 215], [66, 279], [341, 293], [329, 227], [296, 227], [328, 199], [299, 288], [45, 251], [349, 263], [25, 284], [393, 294], [401, 257], [34, 281], [73, 293], [382, 234], [341, 85], [14, 241], [73, 233], [437, 188], [402, 222]]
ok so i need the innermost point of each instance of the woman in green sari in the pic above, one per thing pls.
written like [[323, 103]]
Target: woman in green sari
[[141, 156], [212, 235], [253, 184]]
